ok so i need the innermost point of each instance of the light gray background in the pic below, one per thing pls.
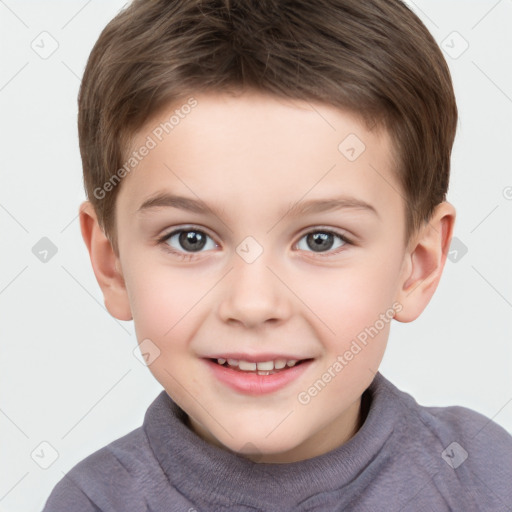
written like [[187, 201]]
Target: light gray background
[[68, 375]]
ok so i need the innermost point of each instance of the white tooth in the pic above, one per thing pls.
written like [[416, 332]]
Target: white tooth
[[233, 362], [246, 365], [291, 363], [221, 360], [279, 364], [266, 365]]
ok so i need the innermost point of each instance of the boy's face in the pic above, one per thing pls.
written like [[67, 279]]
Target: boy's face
[[248, 281]]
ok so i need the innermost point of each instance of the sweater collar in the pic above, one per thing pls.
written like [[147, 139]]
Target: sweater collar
[[208, 475]]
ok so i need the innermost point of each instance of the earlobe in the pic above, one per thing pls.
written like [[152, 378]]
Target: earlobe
[[424, 263], [105, 264]]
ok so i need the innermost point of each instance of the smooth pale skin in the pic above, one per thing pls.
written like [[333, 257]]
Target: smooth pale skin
[[251, 156]]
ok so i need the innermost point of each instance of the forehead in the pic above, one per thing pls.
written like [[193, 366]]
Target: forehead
[[255, 148]]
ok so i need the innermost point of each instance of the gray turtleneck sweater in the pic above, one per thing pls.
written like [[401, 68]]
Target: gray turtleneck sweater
[[405, 457]]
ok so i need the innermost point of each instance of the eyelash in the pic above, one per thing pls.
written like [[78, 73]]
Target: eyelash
[[192, 255]]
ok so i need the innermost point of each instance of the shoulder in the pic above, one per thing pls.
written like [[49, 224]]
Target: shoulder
[[485, 442], [481, 435], [464, 452], [479, 454], [109, 479]]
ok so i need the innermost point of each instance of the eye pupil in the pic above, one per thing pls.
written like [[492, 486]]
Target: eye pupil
[[192, 240], [320, 241]]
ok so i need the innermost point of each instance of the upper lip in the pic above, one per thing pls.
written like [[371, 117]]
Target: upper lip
[[257, 358]]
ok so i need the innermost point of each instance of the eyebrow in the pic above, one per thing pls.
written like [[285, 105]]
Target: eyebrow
[[163, 199]]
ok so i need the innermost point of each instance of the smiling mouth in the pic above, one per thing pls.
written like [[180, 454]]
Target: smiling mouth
[[264, 368]]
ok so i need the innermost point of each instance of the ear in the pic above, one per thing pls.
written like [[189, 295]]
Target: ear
[[424, 262], [106, 265]]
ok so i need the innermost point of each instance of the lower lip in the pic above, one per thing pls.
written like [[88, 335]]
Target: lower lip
[[254, 384]]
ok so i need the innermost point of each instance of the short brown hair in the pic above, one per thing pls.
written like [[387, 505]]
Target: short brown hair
[[375, 58]]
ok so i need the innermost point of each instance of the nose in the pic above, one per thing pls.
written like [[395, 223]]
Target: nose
[[253, 295]]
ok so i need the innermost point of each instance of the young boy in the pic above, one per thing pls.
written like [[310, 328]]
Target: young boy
[[266, 185]]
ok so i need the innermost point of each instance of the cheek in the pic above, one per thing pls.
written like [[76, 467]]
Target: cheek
[[351, 297], [162, 300], [166, 311], [352, 309]]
